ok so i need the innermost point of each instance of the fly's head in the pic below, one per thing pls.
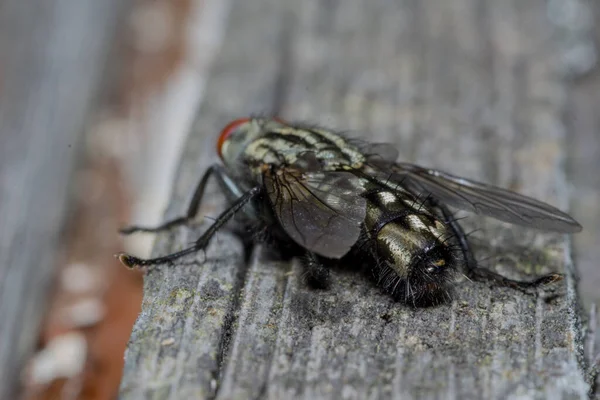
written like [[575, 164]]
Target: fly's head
[[238, 134]]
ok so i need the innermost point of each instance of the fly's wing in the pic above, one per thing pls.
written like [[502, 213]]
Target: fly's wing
[[321, 211], [380, 154], [483, 199], [377, 154]]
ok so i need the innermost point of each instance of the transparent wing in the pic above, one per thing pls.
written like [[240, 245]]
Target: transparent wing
[[380, 153], [483, 199], [377, 154], [321, 211]]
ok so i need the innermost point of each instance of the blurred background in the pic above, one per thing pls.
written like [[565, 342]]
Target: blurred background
[[151, 60]]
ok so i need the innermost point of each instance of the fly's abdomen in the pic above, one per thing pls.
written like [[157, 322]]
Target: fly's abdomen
[[414, 255]]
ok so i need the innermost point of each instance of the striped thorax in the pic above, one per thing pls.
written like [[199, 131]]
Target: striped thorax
[[257, 142]]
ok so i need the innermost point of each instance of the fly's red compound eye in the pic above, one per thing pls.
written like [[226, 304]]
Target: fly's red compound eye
[[228, 130]]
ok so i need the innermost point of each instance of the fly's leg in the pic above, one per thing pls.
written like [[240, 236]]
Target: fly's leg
[[316, 274], [225, 182], [131, 261], [477, 273]]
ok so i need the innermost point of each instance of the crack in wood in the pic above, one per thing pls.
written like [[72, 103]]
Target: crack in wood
[[229, 330]]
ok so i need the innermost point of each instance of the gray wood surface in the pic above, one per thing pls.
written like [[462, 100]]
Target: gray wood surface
[[583, 151], [469, 86], [52, 56], [583, 162]]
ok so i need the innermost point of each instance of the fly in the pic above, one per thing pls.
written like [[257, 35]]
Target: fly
[[333, 198]]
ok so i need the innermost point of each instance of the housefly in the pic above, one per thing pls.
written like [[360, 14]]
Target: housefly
[[333, 198]]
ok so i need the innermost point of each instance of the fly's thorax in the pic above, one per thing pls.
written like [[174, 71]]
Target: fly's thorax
[[235, 138], [255, 143], [293, 146]]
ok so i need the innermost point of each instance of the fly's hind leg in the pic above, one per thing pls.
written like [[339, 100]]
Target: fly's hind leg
[[225, 183], [475, 272], [316, 274]]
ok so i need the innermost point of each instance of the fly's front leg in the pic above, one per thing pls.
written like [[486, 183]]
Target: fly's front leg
[[316, 273], [132, 261], [475, 272], [225, 182]]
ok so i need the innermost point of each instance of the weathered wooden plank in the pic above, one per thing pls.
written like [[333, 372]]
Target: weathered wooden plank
[[466, 86], [52, 56], [583, 148], [584, 125]]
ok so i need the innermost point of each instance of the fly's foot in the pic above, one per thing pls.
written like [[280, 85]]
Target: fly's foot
[[543, 281], [128, 260], [481, 274], [548, 279]]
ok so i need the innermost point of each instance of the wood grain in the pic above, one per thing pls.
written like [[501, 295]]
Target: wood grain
[[468, 86], [52, 58]]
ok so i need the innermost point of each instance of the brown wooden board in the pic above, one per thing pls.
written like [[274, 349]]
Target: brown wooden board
[[468, 86]]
